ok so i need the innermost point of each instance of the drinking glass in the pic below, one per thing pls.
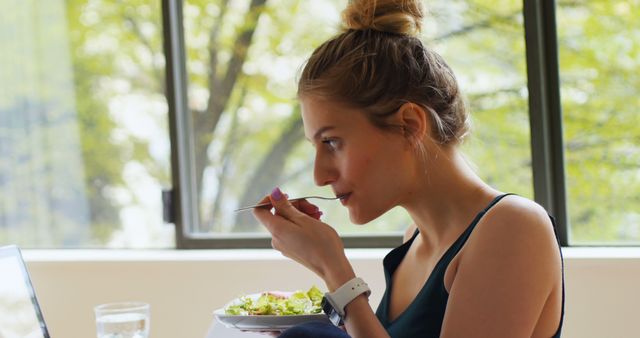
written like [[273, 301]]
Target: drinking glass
[[123, 320]]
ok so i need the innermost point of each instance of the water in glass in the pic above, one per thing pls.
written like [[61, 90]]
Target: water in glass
[[123, 325]]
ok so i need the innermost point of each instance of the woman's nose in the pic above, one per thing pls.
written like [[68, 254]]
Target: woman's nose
[[324, 172]]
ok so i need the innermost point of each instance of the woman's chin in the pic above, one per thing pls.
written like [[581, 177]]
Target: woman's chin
[[360, 219]]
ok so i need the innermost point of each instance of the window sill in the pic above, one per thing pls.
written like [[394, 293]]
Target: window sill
[[80, 255]]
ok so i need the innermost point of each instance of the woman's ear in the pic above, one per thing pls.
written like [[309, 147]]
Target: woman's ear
[[415, 121]]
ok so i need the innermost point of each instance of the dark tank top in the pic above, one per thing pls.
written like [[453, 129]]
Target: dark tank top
[[424, 315]]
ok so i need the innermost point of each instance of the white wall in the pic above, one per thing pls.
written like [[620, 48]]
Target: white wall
[[184, 287]]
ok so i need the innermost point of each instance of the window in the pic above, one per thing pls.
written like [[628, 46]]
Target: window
[[599, 49], [242, 59], [84, 145], [98, 117]]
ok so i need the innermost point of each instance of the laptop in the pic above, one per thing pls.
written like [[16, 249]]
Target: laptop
[[20, 315]]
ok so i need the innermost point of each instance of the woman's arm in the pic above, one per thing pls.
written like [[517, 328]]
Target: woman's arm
[[506, 274], [318, 247]]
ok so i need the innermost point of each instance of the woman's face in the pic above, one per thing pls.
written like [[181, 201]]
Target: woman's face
[[373, 170]]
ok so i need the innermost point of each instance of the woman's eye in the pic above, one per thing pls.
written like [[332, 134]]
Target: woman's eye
[[333, 144]]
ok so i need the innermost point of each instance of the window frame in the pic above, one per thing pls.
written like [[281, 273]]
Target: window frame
[[545, 118], [545, 112]]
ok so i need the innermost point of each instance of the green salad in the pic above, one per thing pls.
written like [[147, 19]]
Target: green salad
[[268, 303]]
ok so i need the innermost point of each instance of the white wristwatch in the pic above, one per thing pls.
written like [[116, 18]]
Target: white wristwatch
[[333, 303]]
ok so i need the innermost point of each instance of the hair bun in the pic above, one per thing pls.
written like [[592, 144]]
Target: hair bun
[[392, 16]]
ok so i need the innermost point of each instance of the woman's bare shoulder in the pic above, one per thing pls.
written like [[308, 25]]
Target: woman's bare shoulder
[[510, 264], [517, 213], [516, 224]]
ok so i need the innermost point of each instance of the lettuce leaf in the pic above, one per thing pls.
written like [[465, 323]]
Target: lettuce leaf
[[298, 303]]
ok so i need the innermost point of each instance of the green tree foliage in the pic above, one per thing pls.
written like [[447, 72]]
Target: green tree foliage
[[599, 57], [84, 57], [117, 49], [484, 43], [242, 60], [270, 154]]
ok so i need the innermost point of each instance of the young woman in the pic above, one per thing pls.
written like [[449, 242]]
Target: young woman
[[386, 117]]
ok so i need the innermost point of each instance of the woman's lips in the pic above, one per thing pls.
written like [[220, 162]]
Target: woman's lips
[[344, 198]]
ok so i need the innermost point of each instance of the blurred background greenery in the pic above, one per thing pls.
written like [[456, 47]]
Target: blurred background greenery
[[84, 145]]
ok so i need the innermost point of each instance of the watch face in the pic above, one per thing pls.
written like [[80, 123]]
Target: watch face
[[333, 315], [335, 319], [327, 308]]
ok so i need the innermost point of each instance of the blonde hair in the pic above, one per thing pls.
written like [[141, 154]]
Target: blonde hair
[[399, 17], [378, 63]]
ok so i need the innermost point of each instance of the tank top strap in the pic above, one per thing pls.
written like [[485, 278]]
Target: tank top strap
[[495, 201], [475, 220], [458, 244], [479, 216]]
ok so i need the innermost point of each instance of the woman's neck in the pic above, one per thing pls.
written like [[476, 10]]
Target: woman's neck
[[448, 196]]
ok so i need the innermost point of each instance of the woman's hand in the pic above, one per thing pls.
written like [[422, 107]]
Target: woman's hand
[[306, 207], [299, 234]]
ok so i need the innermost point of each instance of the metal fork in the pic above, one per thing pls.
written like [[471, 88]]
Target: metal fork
[[267, 204]]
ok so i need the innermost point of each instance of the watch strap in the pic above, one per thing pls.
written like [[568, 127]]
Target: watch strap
[[345, 294]]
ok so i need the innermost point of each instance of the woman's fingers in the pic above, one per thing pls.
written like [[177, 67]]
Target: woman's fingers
[[307, 208], [287, 214], [298, 234], [264, 216], [284, 208]]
